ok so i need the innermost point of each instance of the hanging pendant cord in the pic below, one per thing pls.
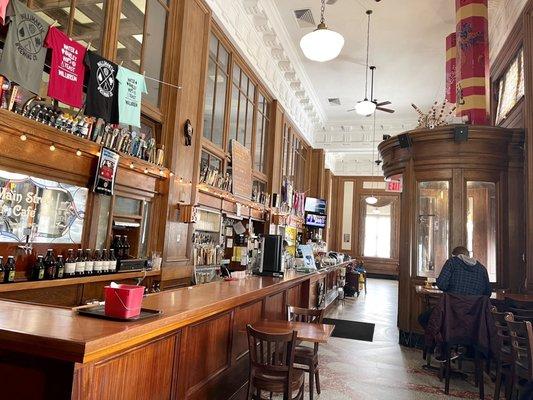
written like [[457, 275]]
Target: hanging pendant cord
[[373, 152], [322, 11], [369, 12]]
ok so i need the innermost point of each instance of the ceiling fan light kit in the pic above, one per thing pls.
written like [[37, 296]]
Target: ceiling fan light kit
[[365, 107], [322, 44], [371, 200]]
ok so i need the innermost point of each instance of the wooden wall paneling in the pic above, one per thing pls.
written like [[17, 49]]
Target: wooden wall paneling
[[274, 306], [294, 296], [275, 144], [137, 365], [528, 56], [205, 353], [317, 172], [245, 314]]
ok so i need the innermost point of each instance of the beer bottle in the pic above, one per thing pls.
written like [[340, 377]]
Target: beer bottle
[[126, 247], [70, 264], [105, 262], [117, 245], [112, 261], [80, 263], [38, 269], [1, 269], [60, 267], [9, 270], [89, 263], [97, 262], [50, 265]]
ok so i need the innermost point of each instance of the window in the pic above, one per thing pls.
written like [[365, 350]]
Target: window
[[377, 232], [141, 39], [481, 224], [294, 165], [261, 132], [209, 162], [432, 227], [215, 91], [242, 108], [510, 87]]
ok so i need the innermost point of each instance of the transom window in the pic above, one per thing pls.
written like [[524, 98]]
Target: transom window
[[511, 87]]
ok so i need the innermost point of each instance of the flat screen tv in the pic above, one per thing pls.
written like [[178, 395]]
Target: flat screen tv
[[316, 206], [315, 220]]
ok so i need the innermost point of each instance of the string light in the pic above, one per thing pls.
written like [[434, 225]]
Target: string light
[[98, 154], [161, 172], [171, 173], [52, 147], [132, 166], [78, 152], [146, 170], [23, 137]]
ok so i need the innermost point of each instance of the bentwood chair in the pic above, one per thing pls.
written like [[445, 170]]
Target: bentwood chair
[[272, 365], [504, 357], [522, 345], [303, 355], [521, 314]]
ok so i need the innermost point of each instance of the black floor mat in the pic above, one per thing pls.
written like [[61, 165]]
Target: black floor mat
[[351, 329]]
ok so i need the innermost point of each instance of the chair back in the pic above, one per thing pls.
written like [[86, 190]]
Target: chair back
[[521, 314], [309, 315], [522, 343], [502, 330], [271, 353], [522, 304]]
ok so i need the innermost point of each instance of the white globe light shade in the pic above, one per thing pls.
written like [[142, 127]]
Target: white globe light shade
[[365, 107], [371, 200], [322, 44]]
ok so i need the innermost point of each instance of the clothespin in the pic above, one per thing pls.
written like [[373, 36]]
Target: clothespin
[[53, 23], [144, 73], [122, 63], [89, 45]]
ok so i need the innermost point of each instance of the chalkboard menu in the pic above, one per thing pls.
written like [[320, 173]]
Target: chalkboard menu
[[241, 165]]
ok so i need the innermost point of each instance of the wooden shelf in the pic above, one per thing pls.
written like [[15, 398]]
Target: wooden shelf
[[28, 285]]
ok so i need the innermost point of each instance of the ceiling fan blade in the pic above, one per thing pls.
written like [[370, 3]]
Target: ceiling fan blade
[[350, 110], [331, 2], [387, 110], [383, 103]]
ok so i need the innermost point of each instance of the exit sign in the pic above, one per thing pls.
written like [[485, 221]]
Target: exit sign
[[394, 186]]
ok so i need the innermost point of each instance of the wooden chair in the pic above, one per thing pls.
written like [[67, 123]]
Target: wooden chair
[[522, 345], [521, 314], [522, 304], [304, 355], [272, 365], [504, 357]]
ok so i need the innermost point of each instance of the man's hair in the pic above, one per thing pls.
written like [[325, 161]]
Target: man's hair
[[460, 250]]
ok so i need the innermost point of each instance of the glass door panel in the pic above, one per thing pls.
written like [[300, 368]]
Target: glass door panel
[[432, 227]]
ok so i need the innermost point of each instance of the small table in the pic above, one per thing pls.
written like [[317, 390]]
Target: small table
[[307, 332]]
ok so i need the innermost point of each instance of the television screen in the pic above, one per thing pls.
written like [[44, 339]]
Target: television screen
[[315, 220], [317, 206]]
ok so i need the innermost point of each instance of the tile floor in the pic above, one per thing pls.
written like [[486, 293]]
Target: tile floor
[[381, 369]]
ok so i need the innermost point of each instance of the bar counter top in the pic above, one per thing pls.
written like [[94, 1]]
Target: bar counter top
[[63, 334]]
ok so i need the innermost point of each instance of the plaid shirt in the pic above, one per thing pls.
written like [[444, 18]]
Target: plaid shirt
[[457, 277]]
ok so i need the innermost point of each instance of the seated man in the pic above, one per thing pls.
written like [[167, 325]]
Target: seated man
[[463, 275]]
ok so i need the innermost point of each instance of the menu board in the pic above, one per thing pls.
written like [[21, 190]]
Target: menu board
[[241, 165]]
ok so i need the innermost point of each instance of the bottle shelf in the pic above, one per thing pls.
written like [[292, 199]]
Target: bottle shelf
[[28, 285]]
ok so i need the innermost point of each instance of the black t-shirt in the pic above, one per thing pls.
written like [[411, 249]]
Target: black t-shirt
[[102, 88]]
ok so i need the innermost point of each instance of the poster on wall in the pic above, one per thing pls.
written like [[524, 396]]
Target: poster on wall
[[106, 172], [241, 167]]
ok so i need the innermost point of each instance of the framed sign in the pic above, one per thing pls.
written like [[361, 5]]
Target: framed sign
[[241, 165], [41, 210], [106, 172], [394, 184]]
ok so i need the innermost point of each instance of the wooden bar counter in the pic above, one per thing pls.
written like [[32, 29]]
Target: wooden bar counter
[[196, 349]]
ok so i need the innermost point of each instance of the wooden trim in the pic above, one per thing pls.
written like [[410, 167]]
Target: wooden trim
[[528, 57]]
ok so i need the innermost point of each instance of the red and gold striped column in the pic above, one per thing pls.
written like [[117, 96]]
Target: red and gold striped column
[[451, 62], [473, 60]]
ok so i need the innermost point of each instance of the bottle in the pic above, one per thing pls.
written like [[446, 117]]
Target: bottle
[[1, 269], [60, 267], [9, 270], [117, 245], [89, 262], [38, 269], [97, 270], [50, 265], [126, 247], [112, 262], [80, 263], [105, 262], [70, 264]]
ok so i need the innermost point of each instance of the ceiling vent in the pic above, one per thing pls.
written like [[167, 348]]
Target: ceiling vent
[[334, 101], [304, 18]]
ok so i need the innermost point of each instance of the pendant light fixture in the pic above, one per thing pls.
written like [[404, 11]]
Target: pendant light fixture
[[373, 199], [366, 107], [322, 44]]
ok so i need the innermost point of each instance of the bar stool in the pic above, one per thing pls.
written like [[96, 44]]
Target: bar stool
[[522, 345], [304, 355], [272, 365]]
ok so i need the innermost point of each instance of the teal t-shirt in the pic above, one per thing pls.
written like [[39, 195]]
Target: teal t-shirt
[[130, 89]]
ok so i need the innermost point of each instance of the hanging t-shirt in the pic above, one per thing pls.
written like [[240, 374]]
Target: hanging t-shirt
[[130, 89], [23, 57], [3, 7], [102, 87], [67, 70]]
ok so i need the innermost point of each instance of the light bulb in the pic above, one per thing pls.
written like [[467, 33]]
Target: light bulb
[[23, 137], [52, 147], [78, 152], [371, 200], [98, 154], [146, 170], [322, 44], [365, 107], [132, 166]]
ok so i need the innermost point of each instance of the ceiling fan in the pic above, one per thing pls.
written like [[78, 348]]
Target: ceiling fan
[[378, 106]]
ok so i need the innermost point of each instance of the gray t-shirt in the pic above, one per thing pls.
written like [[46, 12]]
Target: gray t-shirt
[[24, 52]]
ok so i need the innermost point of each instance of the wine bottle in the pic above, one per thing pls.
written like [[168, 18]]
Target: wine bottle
[[80, 263], [50, 265], [38, 269], [70, 264], [89, 262], [60, 267], [9, 270]]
